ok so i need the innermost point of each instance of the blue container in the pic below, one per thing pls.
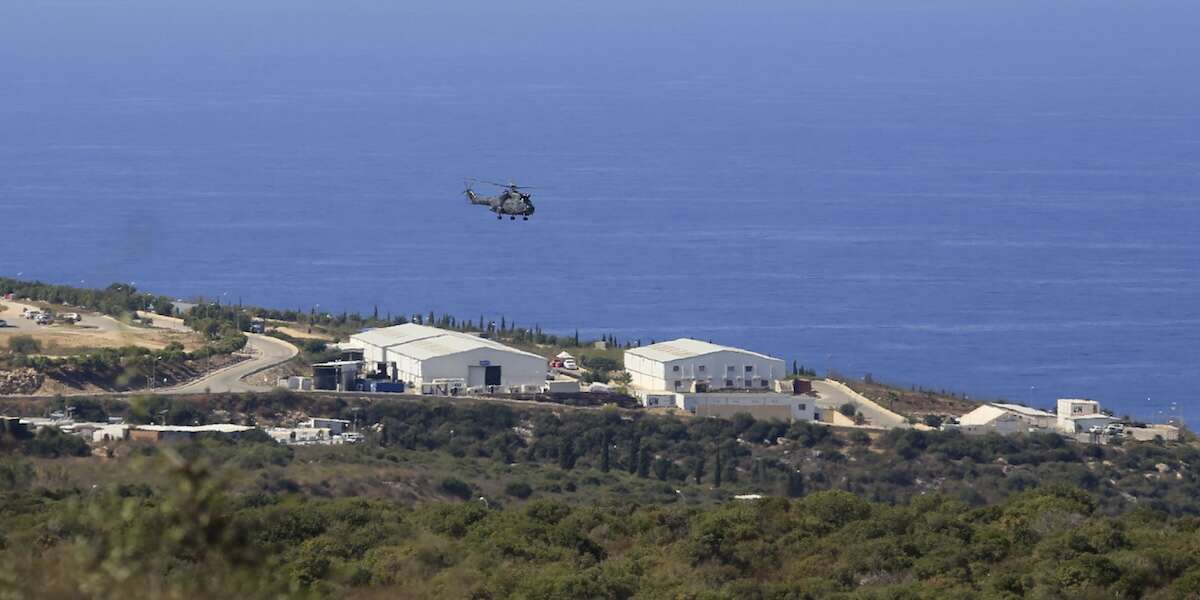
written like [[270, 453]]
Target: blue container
[[391, 387]]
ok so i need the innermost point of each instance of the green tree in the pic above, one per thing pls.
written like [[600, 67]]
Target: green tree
[[566, 454], [795, 485], [605, 458], [717, 468]]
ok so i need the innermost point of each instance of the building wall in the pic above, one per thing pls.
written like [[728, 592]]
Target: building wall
[[515, 368], [725, 369], [768, 404], [644, 373], [1005, 424], [1068, 408]]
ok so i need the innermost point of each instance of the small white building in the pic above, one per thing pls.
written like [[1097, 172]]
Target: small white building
[[686, 365], [1005, 419], [1080, 416], [422, 356]]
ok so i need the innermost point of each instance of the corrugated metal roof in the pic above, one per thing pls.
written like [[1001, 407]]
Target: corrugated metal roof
[[686, 348], [423, 342]]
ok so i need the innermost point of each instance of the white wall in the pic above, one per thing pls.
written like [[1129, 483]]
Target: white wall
[[725, 369], [515, 368], [801, 408]]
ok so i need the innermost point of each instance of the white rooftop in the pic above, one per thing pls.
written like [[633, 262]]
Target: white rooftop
[[686, 348], [216, 427], [423, 342], [989, 412], [982, 416], [1025, 410]]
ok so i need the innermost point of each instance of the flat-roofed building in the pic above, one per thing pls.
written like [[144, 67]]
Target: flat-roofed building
[[1081, 416]]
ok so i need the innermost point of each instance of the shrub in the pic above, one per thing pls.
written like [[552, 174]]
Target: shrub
[[518, 489], [456, 487], [24, 344]]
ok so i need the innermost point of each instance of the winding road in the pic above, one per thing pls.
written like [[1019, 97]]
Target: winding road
[[265, 352]]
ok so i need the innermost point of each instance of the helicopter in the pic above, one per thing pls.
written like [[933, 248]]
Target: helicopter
[[512, 201]]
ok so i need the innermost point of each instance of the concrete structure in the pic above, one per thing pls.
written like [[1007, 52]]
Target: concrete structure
[[1080, 416], [561, 386], [179, 433], [335, 426], [297, 383], [429, 358], [1150, 433], [760, 405], [686, 365], [111, 433], [1005, 419], [301, 436]]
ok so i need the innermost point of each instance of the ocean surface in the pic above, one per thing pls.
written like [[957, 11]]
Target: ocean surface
[[995, 198]]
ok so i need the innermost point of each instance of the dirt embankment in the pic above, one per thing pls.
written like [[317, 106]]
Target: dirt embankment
[[71, 379], [913, 402]]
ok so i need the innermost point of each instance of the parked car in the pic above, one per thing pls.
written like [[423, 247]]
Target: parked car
[[1095, 429], [43, 319], [3, 323], [70, 317], [569, 364]]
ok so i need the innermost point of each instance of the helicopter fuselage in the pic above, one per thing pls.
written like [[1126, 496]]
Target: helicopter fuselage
[[510, 202]]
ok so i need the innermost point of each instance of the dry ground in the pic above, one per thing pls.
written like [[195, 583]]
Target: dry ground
[[914, 403], [94, 332]]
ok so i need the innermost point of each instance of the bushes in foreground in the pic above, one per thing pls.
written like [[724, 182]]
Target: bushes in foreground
[[189, 538]]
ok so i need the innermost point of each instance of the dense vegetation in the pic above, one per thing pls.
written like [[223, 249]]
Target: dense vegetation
[[188, 536], [484, 500]]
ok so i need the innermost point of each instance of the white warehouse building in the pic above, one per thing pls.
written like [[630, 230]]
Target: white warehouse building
[[687, 365], [422, 356]]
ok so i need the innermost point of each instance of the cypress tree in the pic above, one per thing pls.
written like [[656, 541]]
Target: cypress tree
[[643, 470], [635, 451], [717, 469], [604, 452], [698, 473], [566, 455], [795, 485]]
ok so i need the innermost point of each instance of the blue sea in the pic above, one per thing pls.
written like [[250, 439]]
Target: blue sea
[[998, 198]]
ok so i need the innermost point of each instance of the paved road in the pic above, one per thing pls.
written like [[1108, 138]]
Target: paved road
[[834, 396], [265, 352]]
